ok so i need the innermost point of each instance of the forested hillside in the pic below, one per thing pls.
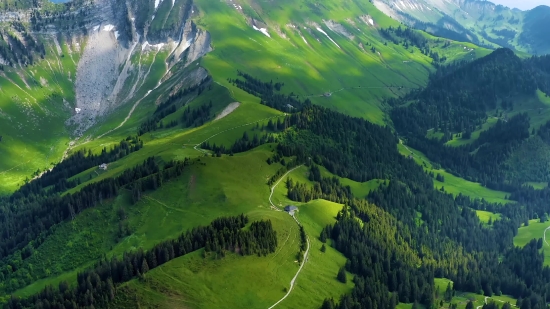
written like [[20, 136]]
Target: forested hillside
[[458, 101], [269, 154], [487, 23]]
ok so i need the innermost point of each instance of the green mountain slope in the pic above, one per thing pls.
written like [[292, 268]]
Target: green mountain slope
[[480, 22], [212, 116], [144, 48]]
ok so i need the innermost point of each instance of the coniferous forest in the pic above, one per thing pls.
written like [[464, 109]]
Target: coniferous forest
[[396, 240], [97, 286]]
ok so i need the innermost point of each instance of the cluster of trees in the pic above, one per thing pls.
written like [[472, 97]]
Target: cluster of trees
[[154, 122], [260, 239], [323, 188], [484, 159], [303, 245], [540, 66], [268, 93], [240, 145], [191, 117], [26, 222], [96, 286], [245, 143], [323, 136], [457, 100], [65, 16], [81, 160], [412, 37], [198, 116], [15, 51]]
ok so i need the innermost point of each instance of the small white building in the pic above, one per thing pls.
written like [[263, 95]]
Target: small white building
[[103, 166]]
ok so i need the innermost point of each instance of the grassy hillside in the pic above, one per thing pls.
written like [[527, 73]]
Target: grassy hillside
[[454, 184], [333, 53], [481, 22], [34, 104], [534, 230], [309, 61], [209, 283], [353, 62]]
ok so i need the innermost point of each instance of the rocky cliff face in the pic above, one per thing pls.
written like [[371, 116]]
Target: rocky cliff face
[[115, 43]]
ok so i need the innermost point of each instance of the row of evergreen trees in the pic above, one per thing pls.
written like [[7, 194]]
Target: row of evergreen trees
[[191, 117], [412, 37], [269, 93], [97, 287], [240, 145], [26, 223], [77, 162], [457, 100]]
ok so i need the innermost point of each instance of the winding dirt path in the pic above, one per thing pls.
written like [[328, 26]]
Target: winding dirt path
[[275, 185], [293, 281], [306, 254], [544, 235], [3, 172], [487, 297]]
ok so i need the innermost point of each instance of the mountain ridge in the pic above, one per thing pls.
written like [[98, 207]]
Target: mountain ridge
[[325, 107], [481, 22]]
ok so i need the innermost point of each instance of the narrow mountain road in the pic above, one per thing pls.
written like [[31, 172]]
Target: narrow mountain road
[[3, 172], [275, 185], [293, 281], [306, 254], [479, 307], [401, 142], [487, 297], [544, 235]]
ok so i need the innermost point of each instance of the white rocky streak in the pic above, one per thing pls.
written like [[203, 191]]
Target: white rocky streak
[[262, 30], [108, 27], [323, 32], [147, 46]]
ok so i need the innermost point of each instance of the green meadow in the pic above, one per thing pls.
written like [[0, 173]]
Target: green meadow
[[299, 55], [237, 281], [453, 184], [534, 230], [485, 216], [33, 108]]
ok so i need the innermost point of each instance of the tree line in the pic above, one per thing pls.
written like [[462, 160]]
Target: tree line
[[461, 248], [191, 117], [97, 286], [269, 93], [457, 101], [411, 37], [26, 223], [58, 177]]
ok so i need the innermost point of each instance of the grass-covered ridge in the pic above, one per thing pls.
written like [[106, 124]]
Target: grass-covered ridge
[[297, 52], [397, 235]]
